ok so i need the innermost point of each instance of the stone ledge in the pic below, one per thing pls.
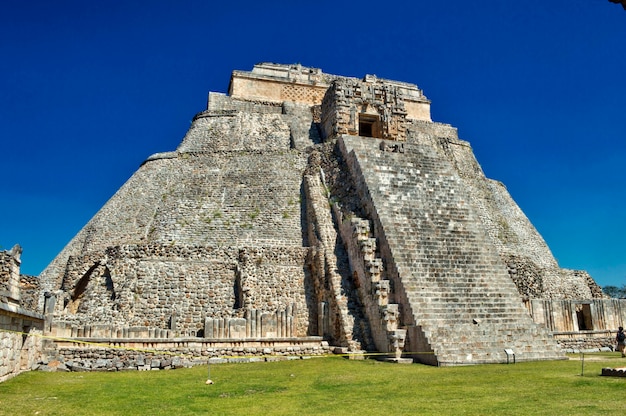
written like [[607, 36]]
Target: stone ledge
[[194, 340], [20, 311], [159, 156]]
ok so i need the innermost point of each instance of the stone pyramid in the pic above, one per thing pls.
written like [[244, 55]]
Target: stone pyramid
[[308, 206]]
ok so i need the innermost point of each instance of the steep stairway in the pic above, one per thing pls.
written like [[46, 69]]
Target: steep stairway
[[458, 304]]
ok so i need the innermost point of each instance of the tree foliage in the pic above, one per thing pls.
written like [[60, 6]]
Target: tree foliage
[[614, 291]]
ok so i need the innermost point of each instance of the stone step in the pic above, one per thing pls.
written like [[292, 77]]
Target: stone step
[[435, 307], [494, 297], [463, 290], [463, 294]]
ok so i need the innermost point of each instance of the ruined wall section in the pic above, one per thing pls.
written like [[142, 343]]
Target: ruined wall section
[[304, 124], [177, 288], [30, 291], [529, 260], [340, 316], [271, 279], [10, 275], [20, 325], [18, 352]]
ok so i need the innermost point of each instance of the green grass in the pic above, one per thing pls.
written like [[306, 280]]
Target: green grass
[[326, 386]]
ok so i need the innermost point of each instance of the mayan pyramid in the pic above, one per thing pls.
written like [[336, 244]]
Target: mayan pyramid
[[303, 205]]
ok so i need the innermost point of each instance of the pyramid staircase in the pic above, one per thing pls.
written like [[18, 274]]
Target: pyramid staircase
[[373, 288], [456, 299]]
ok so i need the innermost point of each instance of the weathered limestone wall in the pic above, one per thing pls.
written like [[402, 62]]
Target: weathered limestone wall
[[10, 275], [579, 324], [279, 83], [272, 83], [239, 131], [231, 199], [574, 315], [127, 217], [20, 328], [178, 288], [233, 178], [29, 292], [375, 291], [20, 349], [155, 354], [301, 121]]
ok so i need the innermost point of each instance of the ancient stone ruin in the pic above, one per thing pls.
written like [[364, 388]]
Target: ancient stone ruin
[[20, 327], [304, 213]]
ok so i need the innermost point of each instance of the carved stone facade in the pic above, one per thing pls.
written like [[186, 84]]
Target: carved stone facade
[[305, 209]]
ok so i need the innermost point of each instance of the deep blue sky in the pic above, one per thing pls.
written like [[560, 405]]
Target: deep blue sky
[[88, 91]]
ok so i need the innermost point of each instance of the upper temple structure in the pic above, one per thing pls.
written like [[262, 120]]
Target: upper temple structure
[[308, 212]]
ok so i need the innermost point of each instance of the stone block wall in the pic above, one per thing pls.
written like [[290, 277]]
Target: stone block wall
[[234, 199], [150, 355], [127, 217], [576, 315], [7, 279], [21, 348], [10, 275], [179, 288], [20, 326], [339, 311], [30, 291], [279, 83], [239, 131], [580, 324]]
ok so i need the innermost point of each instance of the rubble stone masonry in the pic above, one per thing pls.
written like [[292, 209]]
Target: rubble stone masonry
[[21, 327]]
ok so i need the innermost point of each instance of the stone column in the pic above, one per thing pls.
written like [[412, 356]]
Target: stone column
[[14, 274]]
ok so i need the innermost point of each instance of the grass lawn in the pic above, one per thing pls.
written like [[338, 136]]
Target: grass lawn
[[327, 386]]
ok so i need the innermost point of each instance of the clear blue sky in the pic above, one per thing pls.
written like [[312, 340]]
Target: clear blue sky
[[88, 90]]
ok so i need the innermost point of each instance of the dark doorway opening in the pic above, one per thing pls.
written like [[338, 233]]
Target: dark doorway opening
[[369, 125], [583, 314]]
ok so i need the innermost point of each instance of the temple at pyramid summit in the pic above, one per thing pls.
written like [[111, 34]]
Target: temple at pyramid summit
[[305, 213]]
